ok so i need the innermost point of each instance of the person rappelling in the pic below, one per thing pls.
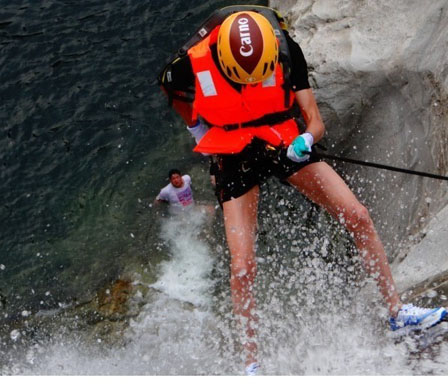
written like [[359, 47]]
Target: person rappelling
[[237, 84]]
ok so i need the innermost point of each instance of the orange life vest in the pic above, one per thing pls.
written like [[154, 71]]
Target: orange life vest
[[221, 105]]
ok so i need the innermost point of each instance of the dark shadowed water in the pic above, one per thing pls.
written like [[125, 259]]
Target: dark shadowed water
[[86, 139]]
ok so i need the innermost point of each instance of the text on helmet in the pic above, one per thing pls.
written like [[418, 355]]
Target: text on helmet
[[246, 42]]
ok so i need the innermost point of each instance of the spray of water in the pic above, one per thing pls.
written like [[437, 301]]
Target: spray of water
[[318, 314]]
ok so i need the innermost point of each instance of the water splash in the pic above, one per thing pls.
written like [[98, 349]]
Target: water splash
[[318, 316], [186, 276]]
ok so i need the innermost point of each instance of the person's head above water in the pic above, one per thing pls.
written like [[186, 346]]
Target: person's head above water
[[175, 177]]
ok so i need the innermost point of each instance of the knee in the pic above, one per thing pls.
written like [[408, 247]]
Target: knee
[[356, 219]]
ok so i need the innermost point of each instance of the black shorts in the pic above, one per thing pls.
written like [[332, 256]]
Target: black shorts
[[239, 173]]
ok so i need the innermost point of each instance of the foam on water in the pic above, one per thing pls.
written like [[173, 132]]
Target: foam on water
[[175, 332], [313, 321], [186, 276]]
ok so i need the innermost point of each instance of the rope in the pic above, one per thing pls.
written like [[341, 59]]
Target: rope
[[376, 165]]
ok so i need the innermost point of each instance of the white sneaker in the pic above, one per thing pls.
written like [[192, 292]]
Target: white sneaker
[[252, 369], [411, 318]]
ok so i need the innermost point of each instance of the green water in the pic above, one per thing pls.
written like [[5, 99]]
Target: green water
[[87, 140]]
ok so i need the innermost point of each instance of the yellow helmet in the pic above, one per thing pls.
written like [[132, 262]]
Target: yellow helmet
[[247, 47]]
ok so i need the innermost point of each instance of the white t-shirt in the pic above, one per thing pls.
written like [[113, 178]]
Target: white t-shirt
[[178, 197]]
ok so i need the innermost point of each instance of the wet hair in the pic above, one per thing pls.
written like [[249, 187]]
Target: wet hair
[[174, 172]]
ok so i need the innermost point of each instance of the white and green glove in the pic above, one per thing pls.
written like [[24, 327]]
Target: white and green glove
[[298, 146]]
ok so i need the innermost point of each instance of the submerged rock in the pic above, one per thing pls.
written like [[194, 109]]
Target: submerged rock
[[102, 320], [113, 300]]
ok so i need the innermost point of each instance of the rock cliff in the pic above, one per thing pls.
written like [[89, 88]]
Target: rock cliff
[[379, 70]]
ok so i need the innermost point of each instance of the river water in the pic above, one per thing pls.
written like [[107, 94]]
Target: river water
[[87, 142]]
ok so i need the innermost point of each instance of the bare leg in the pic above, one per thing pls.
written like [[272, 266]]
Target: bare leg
[[240, 221], [320, 183]]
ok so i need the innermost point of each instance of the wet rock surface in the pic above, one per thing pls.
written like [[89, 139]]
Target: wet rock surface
[[431, 292], [424, 265], [105, 319], [379, 72]]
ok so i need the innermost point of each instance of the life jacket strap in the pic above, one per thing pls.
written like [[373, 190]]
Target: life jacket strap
[[269, 119]]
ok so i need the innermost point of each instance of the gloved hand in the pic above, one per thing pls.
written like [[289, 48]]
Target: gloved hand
[[301, 143], [198, 130]]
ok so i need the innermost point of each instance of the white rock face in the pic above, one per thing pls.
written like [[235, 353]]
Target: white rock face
[[379, 70], [426, 259]]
